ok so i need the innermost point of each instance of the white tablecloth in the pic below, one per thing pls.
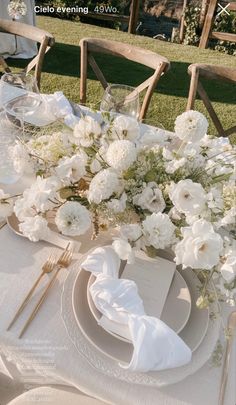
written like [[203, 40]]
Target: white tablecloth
[[13, 47], [46, 355]]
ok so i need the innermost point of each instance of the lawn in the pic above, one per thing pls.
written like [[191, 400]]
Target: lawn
[[62, 72]]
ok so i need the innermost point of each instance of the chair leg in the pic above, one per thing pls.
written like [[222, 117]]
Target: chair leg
[[211, 110], [150, 90], [193, 88], [83, 71]]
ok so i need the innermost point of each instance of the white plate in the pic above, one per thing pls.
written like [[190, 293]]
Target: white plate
[[176, 310], [104, 364], [115, 348]]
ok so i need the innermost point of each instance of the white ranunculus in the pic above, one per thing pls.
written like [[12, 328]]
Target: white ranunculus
[[158, 230], [34, 228], [124, 127], [73, 168], [188, 197], [191, 126], [150, 199], [87, 131], [103, 185], [117, 205], [200, 247], [73, 219], [6, 205], [123, 250], [228, 269], [121, 154], [41, 192], [131, 232]]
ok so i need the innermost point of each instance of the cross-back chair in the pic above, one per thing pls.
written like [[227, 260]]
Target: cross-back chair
[[44, 38], [158, 63], [209, 72]]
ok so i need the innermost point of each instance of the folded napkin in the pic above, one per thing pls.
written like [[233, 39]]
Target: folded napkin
[[156, 346], [60, 107]]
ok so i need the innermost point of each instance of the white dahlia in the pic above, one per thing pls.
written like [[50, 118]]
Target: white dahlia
[[103, 185], [191, 126], [158, 230], [121, 154], [73, 219]]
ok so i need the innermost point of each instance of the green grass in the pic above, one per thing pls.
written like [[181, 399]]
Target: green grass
[[61, 71]]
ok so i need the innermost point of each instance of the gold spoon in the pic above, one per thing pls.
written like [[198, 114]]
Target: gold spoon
[[229, 346]]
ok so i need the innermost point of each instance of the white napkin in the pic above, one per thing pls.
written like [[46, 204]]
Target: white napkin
[[61, 108], [156, 346]]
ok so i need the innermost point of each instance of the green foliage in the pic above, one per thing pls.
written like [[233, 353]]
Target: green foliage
[[224, 23]]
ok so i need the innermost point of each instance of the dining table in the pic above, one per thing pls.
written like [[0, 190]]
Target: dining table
[[12, 46], [52, 352]]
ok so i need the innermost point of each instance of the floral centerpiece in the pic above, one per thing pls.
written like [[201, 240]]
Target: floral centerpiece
[[162, 192]]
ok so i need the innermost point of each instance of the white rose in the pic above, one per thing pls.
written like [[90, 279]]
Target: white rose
[[34, 228], [200, 247], [6, 205], [188, 197], [87, 131], [150, 199], [191, 126], [103, 185], [72, 168], [121, 154], [124, 250], [125, 128], [73, 219], [158, 230]]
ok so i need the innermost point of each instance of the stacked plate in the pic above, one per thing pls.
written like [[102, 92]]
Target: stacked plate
[[179, 312]]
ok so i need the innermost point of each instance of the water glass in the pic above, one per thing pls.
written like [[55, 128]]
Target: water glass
[[122, 99]]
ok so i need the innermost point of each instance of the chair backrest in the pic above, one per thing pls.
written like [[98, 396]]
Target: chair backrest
[[209, 21], [158, 63], [44, 38], [199, 71]]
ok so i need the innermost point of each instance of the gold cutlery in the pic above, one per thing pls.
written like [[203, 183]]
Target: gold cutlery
[[2, 224], [63, 262], [229, 346], [48, 267]]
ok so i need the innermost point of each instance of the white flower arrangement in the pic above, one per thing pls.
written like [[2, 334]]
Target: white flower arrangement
[[178, 194], [17, 9]]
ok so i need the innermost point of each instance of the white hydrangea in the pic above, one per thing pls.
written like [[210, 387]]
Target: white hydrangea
[[191, 126], [124, 127], [73, 168], [150, 199], [188, 197], [121, 154], [158, 230], [34, 228], [6, 205], [200, 247], [87, 131], [73, 219], [103, 185]]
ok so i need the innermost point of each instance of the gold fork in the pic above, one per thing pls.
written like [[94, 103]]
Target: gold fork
[[63, 262], [46, 269]]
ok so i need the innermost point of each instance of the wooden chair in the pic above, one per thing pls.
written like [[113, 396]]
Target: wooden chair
[[45, 39], [209, 72], [158, 63], [209, 21]]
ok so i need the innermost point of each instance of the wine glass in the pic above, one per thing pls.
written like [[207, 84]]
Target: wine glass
[[121, 99], [8, 172], [19, 96]]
